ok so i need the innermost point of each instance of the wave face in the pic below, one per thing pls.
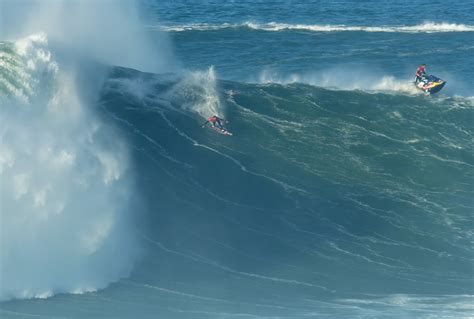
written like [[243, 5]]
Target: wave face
[[322, 203]]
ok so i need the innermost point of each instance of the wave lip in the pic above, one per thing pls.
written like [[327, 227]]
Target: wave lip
[[426, 27]]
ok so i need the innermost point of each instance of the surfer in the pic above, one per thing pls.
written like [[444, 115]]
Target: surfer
[[215, 122], [420, 73]]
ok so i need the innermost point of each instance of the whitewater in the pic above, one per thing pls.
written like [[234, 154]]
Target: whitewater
[[426, 27], [344, 191]]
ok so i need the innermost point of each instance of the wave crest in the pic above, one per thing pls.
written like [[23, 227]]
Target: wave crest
[[426, 27]]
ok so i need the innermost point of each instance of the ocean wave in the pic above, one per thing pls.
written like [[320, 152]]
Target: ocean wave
[[327, 143], [353, 155], [426, 27]]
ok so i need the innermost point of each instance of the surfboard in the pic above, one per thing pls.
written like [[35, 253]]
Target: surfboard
[[220, 130]]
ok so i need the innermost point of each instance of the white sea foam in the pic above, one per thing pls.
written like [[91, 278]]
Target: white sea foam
[[65, 218], [426, 27], [66, 185]]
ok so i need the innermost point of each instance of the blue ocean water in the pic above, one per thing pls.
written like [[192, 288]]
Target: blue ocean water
[[345, 192], [314, 41]]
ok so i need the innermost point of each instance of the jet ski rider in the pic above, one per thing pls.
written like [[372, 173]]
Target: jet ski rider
[[421, 73]]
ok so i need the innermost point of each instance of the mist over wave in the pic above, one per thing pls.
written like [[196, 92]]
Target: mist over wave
[[65, 184], [197, 92], [106, 31], [69, 204]]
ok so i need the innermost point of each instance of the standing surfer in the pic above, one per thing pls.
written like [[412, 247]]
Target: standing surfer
[[215, 121]]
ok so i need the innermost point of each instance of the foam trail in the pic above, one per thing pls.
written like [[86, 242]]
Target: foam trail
[[357, 79]]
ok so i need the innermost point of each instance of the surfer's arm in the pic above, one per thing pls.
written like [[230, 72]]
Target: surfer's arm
[[205, 123]]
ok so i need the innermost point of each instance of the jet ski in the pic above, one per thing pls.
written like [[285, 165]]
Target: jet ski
[[429, 84]]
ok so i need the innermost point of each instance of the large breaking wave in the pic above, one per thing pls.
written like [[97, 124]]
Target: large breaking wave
[[65, 185], [328, 197], [324, 202], [68, 204]]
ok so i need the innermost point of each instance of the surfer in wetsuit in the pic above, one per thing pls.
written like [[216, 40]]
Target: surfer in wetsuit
[[215, 122], [420, 73]]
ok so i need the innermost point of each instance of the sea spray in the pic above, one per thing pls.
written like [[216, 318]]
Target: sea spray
[[106, 31], [66, 223], [68, 200], [196, 91]]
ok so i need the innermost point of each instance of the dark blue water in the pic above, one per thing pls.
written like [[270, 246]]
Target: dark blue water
[[347, 12], [389, 39], [344, 192]]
